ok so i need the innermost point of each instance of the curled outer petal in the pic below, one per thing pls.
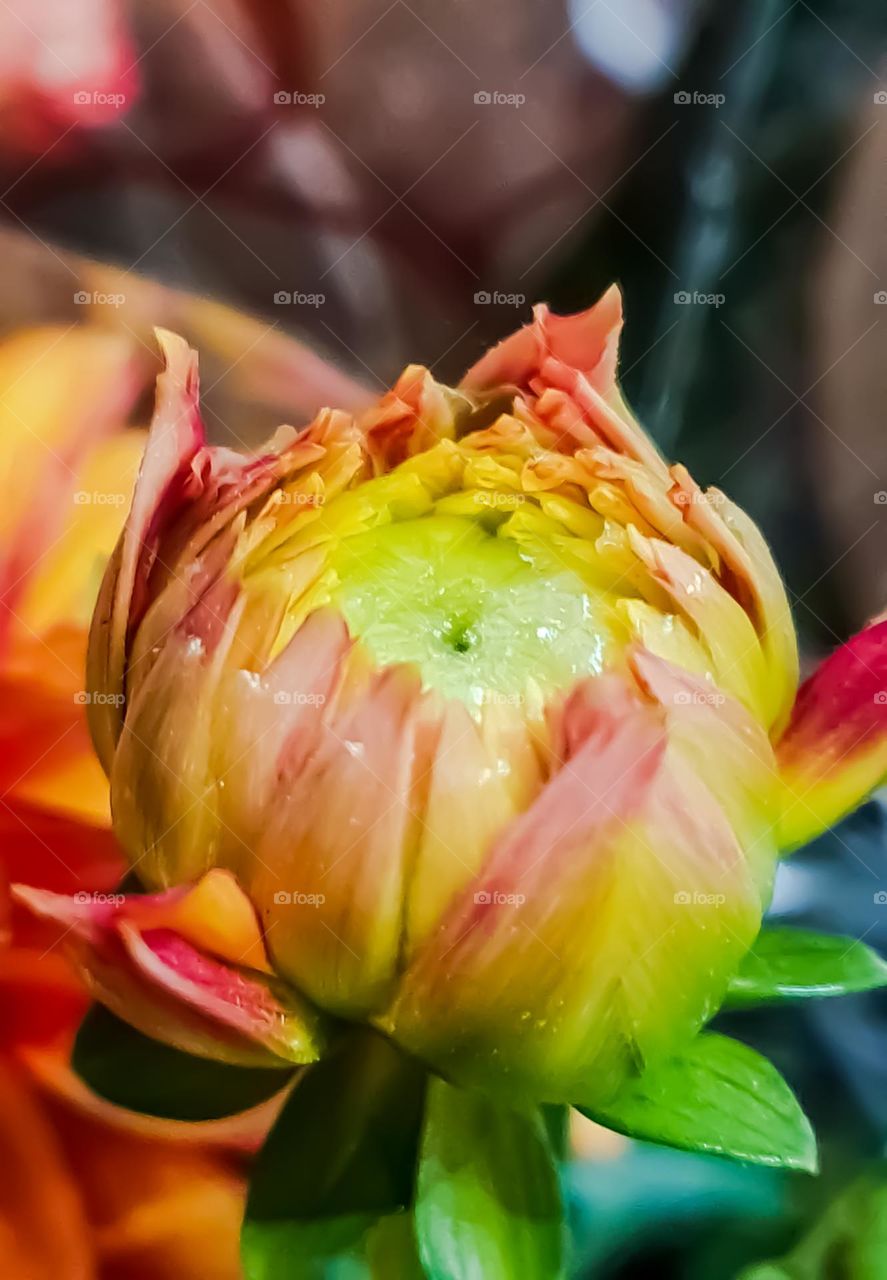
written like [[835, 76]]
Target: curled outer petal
[[834, 750], [171, 966]]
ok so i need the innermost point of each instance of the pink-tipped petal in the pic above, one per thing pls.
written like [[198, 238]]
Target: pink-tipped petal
[[834, 751], [587, 341], [160, 982], [602, 928], [331, 864]]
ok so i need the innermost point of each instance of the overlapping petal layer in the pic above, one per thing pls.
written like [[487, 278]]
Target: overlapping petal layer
[[472, 694]]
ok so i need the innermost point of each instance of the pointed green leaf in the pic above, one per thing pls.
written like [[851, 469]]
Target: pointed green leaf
[[717, 1096], [792, 964], [488, 1201], [133, 1071], [342, 1155]]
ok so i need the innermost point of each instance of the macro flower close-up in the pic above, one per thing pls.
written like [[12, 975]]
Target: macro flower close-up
[[466, 718], [443, 641]]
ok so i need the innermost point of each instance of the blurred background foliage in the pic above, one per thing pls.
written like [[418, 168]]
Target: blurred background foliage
[[400, 198]]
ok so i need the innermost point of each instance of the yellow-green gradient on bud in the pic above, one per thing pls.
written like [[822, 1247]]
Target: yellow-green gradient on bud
[[472, 696]]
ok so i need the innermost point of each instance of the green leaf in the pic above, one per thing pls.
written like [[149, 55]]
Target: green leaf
[[849, 1239], [342, 1155], [717, 1096], [488, 1200], [792, 964], [131, 1070]]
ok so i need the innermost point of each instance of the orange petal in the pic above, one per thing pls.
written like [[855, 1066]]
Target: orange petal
[[587, 341], [60, 393], [43, 1226]]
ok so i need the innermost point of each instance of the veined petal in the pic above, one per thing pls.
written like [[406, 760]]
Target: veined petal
[[481, 777], [156, 978], [834, 751], [601, 930], [331, 865], [721, 624]]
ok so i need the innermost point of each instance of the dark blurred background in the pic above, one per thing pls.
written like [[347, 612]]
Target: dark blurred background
[[397, 181]]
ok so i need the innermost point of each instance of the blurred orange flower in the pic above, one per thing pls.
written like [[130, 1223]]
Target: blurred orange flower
[[86, 1191]]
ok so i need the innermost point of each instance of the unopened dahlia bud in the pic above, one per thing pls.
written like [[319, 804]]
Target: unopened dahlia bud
[[472, 702]]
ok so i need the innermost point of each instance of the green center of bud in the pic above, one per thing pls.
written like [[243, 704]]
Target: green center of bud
[[473, 612]]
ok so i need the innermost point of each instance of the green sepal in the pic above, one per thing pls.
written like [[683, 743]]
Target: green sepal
[[341, 1156], [717, 1096], [488, 1199], [797, 964]]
